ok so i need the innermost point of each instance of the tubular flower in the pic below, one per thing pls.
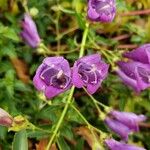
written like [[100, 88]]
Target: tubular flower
[[141, 54], [29, 33], [123, 123], [5, 118], [101, 10], [89, 71], [135, 74], [115, 145], [53, 76]]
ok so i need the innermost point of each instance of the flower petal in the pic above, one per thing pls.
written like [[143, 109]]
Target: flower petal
[[76, 80], [129, 119], [118, 128], [115, 145], [141, 54]]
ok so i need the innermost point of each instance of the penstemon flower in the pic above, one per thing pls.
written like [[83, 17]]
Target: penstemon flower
[[5, 118], [89, 71], [115, 145], [101, 10], [123, 123], [136, 72], [30, 33], [53, 76]]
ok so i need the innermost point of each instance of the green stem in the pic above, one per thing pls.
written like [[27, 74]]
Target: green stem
[[84, 40], [70, 94], [96, 103]]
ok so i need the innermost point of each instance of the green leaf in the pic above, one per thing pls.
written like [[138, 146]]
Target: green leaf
[[20, 141], [62, 144], [3, 132]]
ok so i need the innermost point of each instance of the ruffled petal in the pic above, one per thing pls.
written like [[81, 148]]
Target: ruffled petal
[[76, 80], [37, 81], [51, 92]]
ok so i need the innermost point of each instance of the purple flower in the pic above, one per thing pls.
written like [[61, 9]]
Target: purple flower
[[29, 33], [5, 118], [53, 76], [101, 10], [115, 145], [123, 123], [135, 74], [89, 71], [141, 54]]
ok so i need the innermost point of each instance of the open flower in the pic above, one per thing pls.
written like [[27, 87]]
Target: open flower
[[115, 145], [89, 71], [123, 123], [53, 76], [135, 74], [5, 118], [29, 33], [101, 10], [141, 54]]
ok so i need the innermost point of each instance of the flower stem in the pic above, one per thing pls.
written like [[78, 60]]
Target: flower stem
[[96, 103], [61, 118], [56, 129], [84, 40]]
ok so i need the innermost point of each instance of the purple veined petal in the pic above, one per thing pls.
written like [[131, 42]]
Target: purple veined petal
[[92, 14], [115, 145], [103, 69], [137, 71], [128, 81], [101, 10], [59, 63], [90, 59], [129, 119], [51, 92], [37, 81], [141, 54], [76, 79], [119, 128], [93, 88]]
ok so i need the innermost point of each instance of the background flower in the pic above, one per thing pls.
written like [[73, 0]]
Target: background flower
[[115, 145], [101, 10], [30, 33]]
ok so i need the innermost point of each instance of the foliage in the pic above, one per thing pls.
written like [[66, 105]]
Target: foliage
[[61, 24]]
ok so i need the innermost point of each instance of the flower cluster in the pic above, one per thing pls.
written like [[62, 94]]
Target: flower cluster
[[136, 72], [55, 76], [123, 123]]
